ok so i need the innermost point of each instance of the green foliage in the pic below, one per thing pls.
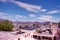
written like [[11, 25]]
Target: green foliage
[[6, 25]]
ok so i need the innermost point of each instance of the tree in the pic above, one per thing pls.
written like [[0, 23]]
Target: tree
[[6, 25]]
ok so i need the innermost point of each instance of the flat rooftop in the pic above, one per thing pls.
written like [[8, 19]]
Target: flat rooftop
[[12, 35]]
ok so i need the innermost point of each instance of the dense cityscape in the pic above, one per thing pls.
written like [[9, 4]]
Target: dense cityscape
[[29, 30]]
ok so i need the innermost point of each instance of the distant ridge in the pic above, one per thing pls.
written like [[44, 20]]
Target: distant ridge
[[18, 22], [1, 19]]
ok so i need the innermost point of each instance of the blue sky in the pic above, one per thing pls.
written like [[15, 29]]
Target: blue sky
[[30, 10]]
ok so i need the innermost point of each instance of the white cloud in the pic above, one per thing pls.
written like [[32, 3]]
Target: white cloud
[[23, 18], [3, 0], [43, 10], [32, 15], [52, 12], [7, 0], [29, 7], [3, 15], [45, 18], [19, 16], [11, 17]]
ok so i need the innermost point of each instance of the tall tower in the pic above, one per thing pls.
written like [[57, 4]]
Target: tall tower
[[53, 27]]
